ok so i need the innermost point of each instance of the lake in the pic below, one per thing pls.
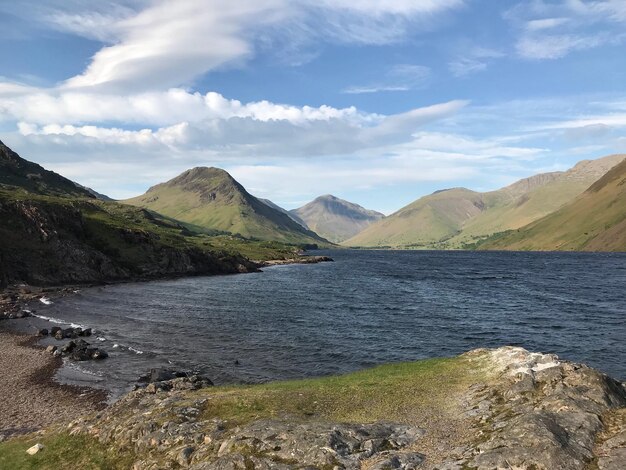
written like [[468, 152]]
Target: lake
[[366, 308]]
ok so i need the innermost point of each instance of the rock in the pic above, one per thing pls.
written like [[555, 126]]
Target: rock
[[322, 445], [69, 347], [98, 354], [59, 334], [51, 349], [42, 332], [401, 461], [184, 456], [86, 332], [35, 449], [69, 333], [54, 330]]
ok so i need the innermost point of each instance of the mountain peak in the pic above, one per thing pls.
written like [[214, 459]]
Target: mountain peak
[[335, 219], [211, 198]]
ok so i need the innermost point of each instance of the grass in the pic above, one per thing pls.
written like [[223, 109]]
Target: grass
[[401, 392], [61, 451]]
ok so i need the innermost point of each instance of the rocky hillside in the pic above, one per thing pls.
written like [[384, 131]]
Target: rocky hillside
[[54, 232], [335, 219], [459, 217], [487, 409], [594, 221], [211, 198]]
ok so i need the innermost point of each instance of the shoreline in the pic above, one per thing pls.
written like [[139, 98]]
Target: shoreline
[[32, 398]]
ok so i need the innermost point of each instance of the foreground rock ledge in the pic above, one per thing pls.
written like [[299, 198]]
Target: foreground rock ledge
[[528, 411]]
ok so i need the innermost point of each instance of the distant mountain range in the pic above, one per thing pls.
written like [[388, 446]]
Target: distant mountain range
[[593, 221], [211, 198], [335, 219], [460, 218], [54, 230]]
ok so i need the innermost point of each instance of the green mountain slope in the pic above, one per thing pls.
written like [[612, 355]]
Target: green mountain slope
[[458, 218], [424, 222], [335, 219], [594, 221], [15, 171], [211, 198]]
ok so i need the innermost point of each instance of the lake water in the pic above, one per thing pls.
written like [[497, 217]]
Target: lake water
[[366, 308]]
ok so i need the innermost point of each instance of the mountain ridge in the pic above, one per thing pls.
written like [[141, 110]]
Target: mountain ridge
[[594, 221], [334, 218], [459, 217]]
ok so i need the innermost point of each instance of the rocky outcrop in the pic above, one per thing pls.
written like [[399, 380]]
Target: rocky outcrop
[[542, 413], [533, 412]]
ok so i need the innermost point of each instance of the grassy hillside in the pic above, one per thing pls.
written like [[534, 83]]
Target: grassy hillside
[[459, 218], [424, 222], [211, 198], [594, 221], [334, 218]]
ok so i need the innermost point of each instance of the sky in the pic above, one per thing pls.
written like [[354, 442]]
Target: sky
[[375, 102]]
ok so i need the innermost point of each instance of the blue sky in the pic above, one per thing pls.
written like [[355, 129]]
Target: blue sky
[[375, 102]]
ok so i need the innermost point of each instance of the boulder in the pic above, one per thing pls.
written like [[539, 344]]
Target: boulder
[[69, 347], [86, 332], [54, 330], [35, 449], [69, 333], [51, 349], [42, 332]]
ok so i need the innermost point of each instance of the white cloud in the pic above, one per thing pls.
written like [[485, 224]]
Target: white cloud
[[154, 44], [402, 77], [549, 31], [473, 60]]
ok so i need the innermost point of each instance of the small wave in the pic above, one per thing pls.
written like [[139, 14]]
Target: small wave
[[101, 338], [45, 301], [58, 321], [136, 351], [50, 319], [115, 346], [76, 367]]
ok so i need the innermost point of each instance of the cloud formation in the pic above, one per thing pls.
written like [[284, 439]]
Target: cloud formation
[[552, 30]]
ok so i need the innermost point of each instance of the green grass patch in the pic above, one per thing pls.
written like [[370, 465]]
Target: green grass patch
[[401, 392], [61, 451]]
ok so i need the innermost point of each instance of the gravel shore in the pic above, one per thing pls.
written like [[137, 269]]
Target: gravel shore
[[31, 399]]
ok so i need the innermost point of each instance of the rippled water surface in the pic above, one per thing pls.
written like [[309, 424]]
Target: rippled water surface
[[366, 308]]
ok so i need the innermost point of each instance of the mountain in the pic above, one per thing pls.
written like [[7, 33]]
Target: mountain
[[594, 221], [53, 232], [211, 198], [291, 215], [17, 172], [334, 218], [458, 218]]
